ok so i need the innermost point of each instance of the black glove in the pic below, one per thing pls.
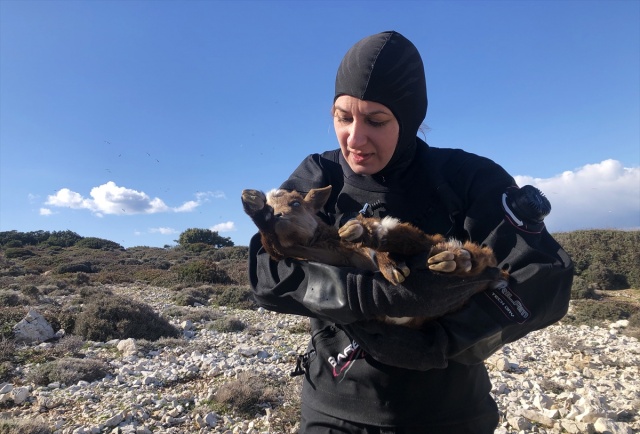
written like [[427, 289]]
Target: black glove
[[345, 296]]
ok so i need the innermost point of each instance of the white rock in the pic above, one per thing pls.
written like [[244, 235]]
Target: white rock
[[211, 419], [114, 420], [537, 417], [128, 347], [33, 328], [20, 394], [6, 388], [607, 426], [620, 324], [542, 401]]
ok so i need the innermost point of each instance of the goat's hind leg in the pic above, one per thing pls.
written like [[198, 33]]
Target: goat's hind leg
[[468, 259]]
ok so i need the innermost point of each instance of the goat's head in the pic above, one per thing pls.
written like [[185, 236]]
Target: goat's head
[[295, 215]]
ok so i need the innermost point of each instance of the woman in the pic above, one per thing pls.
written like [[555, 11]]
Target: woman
[[362, 376]]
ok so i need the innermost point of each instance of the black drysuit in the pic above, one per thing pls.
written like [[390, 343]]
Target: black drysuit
[[367, 372]]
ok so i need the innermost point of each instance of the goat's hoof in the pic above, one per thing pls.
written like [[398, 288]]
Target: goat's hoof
[[398, 274], [253, 201], [450, 258], [351, 231]]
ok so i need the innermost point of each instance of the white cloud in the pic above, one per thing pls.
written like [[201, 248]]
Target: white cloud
[[111, 199], [163, 231], [605, 195], [203, 196], [224, 227], [45, 211], [188, 206]]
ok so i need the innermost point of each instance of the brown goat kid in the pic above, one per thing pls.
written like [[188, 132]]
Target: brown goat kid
[[290, 228]]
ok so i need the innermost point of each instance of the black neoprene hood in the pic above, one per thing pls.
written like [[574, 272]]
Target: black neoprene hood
[[387, 68]]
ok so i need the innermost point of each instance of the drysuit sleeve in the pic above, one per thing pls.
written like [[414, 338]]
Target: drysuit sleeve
[[345, 295], [540, 271]]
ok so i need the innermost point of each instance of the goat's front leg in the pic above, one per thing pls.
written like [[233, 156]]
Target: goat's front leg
[[255, 205], [394, 271]]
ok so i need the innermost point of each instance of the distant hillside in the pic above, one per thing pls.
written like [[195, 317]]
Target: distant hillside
[[606, 259]]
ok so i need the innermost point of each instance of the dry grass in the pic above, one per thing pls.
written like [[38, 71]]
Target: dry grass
[[23, 426]]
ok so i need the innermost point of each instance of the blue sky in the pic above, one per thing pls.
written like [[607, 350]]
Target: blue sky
[[136, 120]]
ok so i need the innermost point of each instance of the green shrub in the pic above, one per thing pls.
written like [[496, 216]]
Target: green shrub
[[97, 243], [191, 296], [30, 291], [236, 270], [26, 238], [608, 258], [228, 324], [107, 316], [63, 238], [62, 317], [600, 312], [237, 297], [10, 316], [12, 298], [236, 253], [203, 236], [198, 272], [77, 267], [68, 371], [107, 277], [18, 252], [7, 349], [581, 289]]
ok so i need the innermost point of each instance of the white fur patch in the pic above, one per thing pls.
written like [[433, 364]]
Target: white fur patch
[[386, 224], [452, 243], [274, 193], [390, 222]]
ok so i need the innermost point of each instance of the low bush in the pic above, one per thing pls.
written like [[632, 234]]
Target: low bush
[[247, 394], [68, 371], [23, 426], [10, 297], [236, 253], [155, 277], [10, 316], [237, 271], [77, 267], [199, 272], [191, 296], [17, 252], [237, 297], [228, 324], [97, 243], [581, 289], [600, 312], [107, 316]]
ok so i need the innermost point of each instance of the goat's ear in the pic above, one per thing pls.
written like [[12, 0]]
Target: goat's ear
[[317, 197]]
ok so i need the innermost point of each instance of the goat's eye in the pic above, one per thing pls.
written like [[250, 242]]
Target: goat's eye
[[295, 204]]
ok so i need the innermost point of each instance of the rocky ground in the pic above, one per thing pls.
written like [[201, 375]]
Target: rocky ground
[[561, 379]]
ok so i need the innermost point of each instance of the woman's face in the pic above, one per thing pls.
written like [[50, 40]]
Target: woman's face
[[367, 132]]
